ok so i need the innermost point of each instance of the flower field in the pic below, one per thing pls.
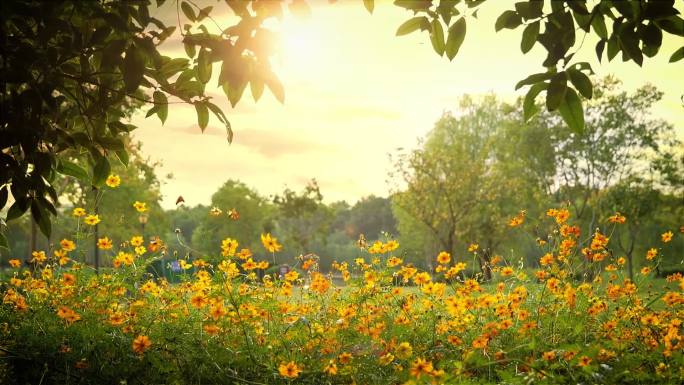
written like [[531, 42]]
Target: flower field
[[576, 318]]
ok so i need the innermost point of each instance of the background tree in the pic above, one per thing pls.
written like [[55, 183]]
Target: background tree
[[302, 218], [460, 185], [254, 217]]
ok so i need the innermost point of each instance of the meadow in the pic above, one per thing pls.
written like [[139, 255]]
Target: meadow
[[577, 318]]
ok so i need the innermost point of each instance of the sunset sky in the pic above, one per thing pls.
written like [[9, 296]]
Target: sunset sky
[[354, 94]]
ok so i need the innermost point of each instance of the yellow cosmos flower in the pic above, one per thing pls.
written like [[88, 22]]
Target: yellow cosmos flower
[[78, 212], [444, 258], [67, 245], [104, 243], [141, 207], [271, 244], [113, 181], [15, 263], [667, 236], [92, 220], [289, 370]]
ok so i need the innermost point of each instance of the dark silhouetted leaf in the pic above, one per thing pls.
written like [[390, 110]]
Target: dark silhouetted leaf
[[529, 37], [457, 34]]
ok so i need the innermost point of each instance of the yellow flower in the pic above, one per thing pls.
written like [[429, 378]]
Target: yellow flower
[[113, 181], [67, 245], [386, 359], [137, 241], [38, 257], [104, 243], [404, 350], [651, 253], [271, 244], [645, 270], [506, 271], [15, 263], [141, 343], [473, 247], [228, 247], [289, 370], [141, 207], [92, 220], [78, 212], [292, 275], [444, 258], [666, 236]]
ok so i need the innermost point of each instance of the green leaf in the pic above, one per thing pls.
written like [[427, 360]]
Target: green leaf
[[162, 105], [529, 105], [630, 45], [66, 167], [413, 24], [457, 34], [508, 19], [555, 94], [677, 55], [571, 111], [123, 157], [41, 217], [529, 37], [133, 68], [437, 37], [581, 82], [600, 46], [101, 171], [3, 242], [369, 4], [256, 85], [599, 26], [534, 78], [203, 66], [202, 115], [187, 11], [4, 194], [413, 4]]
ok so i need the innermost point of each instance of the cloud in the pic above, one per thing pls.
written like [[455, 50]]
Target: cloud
[[274, 144]]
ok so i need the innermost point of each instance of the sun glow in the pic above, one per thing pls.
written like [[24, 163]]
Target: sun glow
[[301, 46]]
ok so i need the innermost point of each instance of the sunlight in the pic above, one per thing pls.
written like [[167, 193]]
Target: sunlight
[[301, 46]]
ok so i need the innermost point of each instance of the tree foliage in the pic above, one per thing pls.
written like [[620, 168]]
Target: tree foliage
[[72, 71], [633, 29]]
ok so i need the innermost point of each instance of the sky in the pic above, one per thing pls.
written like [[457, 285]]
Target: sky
[[354, 94]]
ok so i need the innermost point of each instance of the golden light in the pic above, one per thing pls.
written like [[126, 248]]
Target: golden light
[[301, 45]]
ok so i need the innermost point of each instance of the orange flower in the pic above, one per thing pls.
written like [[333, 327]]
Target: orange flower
[[15, 263], [584, 361], [289, 370], [67, 245], [141, 343], [651, 253], [104, 243], [444, 258], [666, 236], [421, 366]]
